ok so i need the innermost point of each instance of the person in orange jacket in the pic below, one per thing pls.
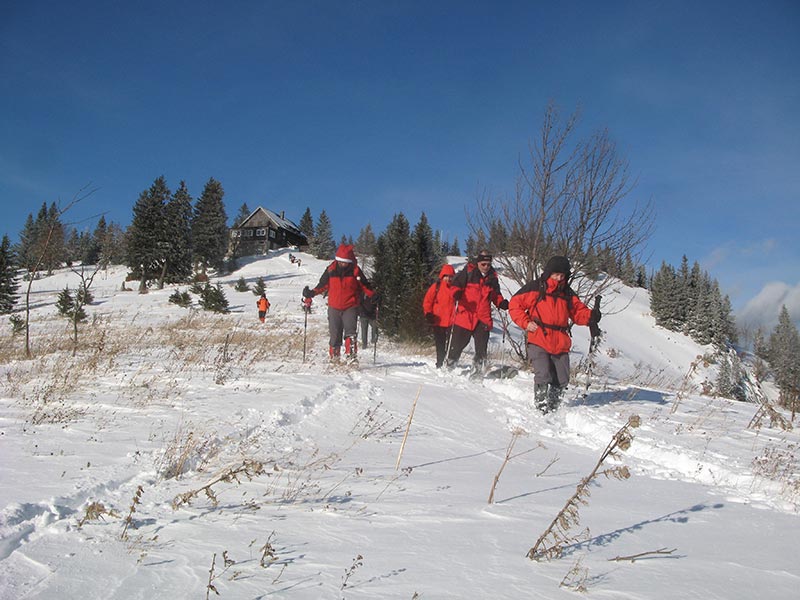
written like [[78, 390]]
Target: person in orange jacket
[[439, 308], [545, 308], [263, 306], [476, 289], [345, 283]]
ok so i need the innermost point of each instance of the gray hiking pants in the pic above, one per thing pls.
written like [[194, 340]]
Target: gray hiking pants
[[342, 323], [548, 368]]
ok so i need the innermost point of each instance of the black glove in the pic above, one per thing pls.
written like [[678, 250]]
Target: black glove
[[503, 305], [595, 315], [307, 293], [430, 318], [457, 294]]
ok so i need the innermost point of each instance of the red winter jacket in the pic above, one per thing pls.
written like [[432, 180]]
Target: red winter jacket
[[344, 283], [552, 313], [479, 293], [439, 300]]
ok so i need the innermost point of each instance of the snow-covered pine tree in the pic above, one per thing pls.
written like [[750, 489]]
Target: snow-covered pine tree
[[784, 358], [9, 283], [210, 227]]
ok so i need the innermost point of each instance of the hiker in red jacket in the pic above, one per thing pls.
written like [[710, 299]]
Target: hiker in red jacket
[[545, 308], [344, 282], [476, 289], [439, 308], [263, 307]]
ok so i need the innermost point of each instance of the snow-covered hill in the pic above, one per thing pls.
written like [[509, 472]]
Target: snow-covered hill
[[265, 476]]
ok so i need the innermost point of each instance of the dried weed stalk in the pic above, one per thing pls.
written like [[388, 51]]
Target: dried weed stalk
[[576, 577], [559, 533], [686, 385], [515, 435], [634, 557], [137, 499], [94, 511], [357, 562], [248, 468], [765, 408]]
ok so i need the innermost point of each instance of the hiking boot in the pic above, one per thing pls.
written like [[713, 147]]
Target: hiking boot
[[540, 398], [335, 353], [554, 396]]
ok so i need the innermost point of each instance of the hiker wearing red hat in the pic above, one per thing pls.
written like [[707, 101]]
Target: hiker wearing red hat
[[344, 283], [439, 308], [476, 289]]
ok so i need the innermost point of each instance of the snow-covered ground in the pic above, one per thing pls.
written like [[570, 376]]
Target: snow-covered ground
[[259, 475]]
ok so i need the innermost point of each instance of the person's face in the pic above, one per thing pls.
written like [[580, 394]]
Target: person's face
[[484, 266], [558, 276]]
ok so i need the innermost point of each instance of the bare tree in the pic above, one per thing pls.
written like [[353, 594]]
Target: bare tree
[[568, 200]]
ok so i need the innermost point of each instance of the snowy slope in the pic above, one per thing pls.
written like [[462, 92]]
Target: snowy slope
[[167, 400]]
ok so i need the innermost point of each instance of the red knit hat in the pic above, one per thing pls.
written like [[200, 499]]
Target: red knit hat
[[447, 270], [346, 254]]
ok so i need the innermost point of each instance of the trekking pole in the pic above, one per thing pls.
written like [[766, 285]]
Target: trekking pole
[[450, 333], [375, 344], [504, 320], [305, 330]]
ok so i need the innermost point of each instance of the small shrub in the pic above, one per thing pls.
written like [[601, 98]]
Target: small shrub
[[241, 285], [182, 299], [259, 287], [17, 324], [213, 298], [71, 307]]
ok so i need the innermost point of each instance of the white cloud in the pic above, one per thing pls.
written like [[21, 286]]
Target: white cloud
[[764, 308]]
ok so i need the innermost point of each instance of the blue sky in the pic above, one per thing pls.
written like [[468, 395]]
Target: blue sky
[[366, 109]]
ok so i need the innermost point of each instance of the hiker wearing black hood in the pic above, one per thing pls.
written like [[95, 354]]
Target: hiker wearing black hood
[[546, 308]]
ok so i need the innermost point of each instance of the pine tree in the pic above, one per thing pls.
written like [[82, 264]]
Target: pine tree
[[8, 277], [210, 227], [259, 287], [366, 242], [394, 276], [70, 306], [323, 247], [784, 358], [42, 240], [455, 250], [427, 257], [663, 298], [242, 215], [178, 222], [307, 226], [498, 237], [147, 234], [213, 298]]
